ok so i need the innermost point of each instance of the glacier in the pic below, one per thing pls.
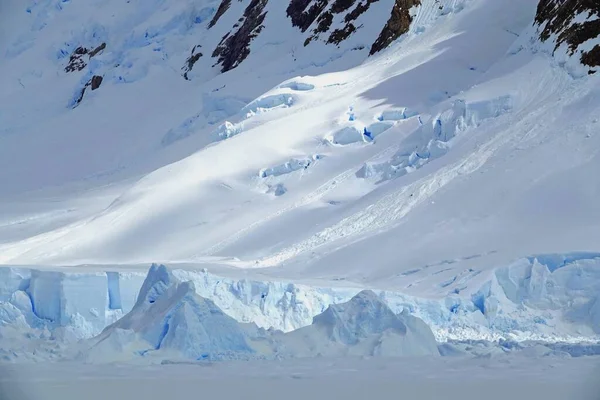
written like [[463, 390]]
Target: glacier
[[552, 298], [440, 187], [170, 321], [168, 314]]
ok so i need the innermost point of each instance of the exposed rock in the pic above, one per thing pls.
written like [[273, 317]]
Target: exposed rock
[[339, 35], [77, 60], [192, 59], [358, 10], [233, 49], [558, 17], [223, 7], [339, 6], [325, 21], [397, 25], [97, 50], [94, 83], [303, 18], [316, 12]]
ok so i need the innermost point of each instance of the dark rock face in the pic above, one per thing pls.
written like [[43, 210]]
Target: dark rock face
[[234, 48], [397, 25], [192, 59], [223, 7], [94, 83], [339, 6], [339, 35], [97, 50], [557, 17], [78, 61], [303, 16], [316, 17]]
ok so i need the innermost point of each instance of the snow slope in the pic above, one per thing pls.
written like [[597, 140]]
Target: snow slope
[[436, 170]]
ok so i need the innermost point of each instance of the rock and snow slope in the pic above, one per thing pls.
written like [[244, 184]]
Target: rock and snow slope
[[425, 169], [464, 174]]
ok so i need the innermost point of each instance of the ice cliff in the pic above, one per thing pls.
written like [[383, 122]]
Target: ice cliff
[[169, 320], [543, 297]]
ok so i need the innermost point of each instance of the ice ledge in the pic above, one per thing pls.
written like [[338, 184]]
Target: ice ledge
[[547, 297]]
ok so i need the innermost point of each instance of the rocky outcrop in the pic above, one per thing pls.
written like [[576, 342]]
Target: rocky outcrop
[[571, 22], [94, 83], [234, 48], [339, 35], [305, 17], [397, 25], [223, 7], [331, 21], [192, 59], [80, 57], [302, 15]]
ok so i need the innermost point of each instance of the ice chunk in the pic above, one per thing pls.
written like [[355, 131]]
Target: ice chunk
[[363, 315], [227, 130], [365, 325], [114, 291], [298, 86], [346, 136], [60, 298], [377, 128], [267, 103], [45, 290], [277, 190], [292, 165], [11, 280], [396, 114], [171, 317]]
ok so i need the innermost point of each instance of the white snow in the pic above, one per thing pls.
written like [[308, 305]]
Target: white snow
[[454, 174]]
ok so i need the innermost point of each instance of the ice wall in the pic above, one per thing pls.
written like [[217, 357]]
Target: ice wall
[[546, 297], [170, 321]]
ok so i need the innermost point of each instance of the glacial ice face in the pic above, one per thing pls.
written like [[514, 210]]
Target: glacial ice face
[[364, 325], [364, 315], [170, 317], [170, 321], [70, 305], [554, 298]]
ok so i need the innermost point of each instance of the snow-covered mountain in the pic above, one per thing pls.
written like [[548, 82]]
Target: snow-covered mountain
[[442, 151]]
